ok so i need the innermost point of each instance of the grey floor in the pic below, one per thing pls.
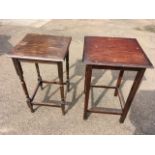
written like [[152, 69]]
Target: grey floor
[[15, 117]]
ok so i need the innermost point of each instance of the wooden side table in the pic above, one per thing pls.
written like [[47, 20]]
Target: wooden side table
[[37, 48], [124, 54]]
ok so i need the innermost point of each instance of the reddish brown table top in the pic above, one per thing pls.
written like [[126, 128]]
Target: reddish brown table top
[[42, 47], [110, 51]]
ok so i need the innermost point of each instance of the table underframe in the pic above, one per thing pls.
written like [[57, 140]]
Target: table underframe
[[30, 99], [125, 106]]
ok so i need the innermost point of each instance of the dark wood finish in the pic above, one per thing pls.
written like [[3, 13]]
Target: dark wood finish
[[121, 98], [42, 47], [105, 110], [36, 49], [53, 82], [35, 91], [49, 105], [88, 74], [39, 76], [115, 54], [100, 86], [132, 94], [21, 77], [110, 51], [119, 81], [115, 68], [60, 74], [67, 71]]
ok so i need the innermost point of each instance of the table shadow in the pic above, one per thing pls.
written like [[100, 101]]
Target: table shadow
[[5, 45], [142, 113], [128, 76], [78, 74]]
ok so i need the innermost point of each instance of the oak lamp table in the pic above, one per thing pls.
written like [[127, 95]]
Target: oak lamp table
[[123, 54], [37, 48]]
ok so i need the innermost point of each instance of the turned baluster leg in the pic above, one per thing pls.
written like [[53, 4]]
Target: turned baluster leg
[[39, 76], [67, 70], [19, 72]]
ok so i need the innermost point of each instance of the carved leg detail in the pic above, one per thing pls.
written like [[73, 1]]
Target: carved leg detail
[[67, 71], [19, 72], [39, 76]]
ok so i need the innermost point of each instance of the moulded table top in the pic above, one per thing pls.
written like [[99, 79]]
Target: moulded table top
[[41, 47], [113, 51]]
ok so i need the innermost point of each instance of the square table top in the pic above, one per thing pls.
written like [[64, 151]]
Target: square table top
[[41, 47], [115, 52]]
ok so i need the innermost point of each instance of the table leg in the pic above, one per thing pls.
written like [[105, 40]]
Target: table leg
[[119, 82], [39, 76], [132, 93], [60, 74], [19, 72], [88, 74], [67, 70]]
